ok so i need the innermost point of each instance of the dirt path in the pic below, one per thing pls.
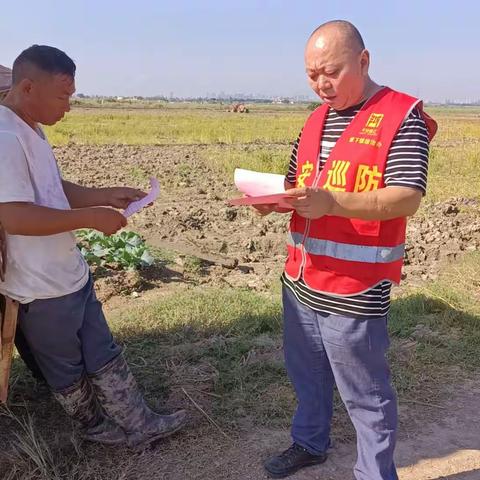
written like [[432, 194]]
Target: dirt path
[[446, 446]]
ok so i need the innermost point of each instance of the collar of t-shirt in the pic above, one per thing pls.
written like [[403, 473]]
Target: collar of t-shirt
[[350, 111]]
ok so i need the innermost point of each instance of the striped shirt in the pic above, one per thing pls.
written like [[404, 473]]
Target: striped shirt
[[407, 165]]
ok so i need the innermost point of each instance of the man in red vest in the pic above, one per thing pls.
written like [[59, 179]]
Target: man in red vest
[[358, 170]]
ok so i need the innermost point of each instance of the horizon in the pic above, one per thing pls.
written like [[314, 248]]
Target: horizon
[[246, 98]]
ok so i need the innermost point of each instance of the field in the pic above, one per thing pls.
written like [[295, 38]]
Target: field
[[202, 326]]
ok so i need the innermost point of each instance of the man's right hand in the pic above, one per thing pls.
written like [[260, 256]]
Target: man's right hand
[[107, 220]]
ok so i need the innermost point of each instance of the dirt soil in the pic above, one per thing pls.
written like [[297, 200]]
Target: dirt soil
[[239, 248]]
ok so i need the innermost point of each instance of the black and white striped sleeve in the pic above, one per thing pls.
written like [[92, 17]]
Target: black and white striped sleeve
[[407, 162], [291, 176]]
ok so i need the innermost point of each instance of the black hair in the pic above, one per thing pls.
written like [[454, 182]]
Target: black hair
[[47, 59]]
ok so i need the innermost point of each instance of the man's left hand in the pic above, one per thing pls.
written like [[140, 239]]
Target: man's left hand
[[311, 202], [121, 197]]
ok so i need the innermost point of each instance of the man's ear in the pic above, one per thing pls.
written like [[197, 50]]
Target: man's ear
[[26, 86], [365, 61]]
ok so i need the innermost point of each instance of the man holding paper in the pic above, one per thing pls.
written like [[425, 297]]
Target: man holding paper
[[59, 314], [357, 171]]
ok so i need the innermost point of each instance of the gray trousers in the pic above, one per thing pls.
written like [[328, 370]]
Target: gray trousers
[[321, 350], [68, 336]]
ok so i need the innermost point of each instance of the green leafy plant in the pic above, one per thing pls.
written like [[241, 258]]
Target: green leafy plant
[[125, 250]]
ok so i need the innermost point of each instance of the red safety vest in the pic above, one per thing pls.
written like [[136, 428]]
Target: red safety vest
[[348, 256]]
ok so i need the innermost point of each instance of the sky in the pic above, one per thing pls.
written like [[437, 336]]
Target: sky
[[430, 49]]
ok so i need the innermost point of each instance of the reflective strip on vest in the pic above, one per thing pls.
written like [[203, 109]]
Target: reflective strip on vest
[[346, 251]]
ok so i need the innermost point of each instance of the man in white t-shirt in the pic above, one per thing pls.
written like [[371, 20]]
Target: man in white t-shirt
[[59, 314], [20, 342]]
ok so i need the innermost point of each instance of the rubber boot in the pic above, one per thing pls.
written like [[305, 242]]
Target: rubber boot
[[119, 395], [81, 405]]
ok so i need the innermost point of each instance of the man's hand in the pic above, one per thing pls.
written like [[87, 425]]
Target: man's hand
[[3, 254], [267, 209], [33, 220], [271, 207], [121, 197], [116, 197], [107, 220], [311, 202], [263, 210], [382, 204]]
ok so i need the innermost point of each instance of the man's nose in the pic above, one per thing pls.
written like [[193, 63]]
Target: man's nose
[[323, 83]]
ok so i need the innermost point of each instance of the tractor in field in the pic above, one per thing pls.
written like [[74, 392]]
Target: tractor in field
[[238, 108]]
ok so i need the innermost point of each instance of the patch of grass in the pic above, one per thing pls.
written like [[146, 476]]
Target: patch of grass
[[455, 296], [162, 254], [138, 174], [436, 330], [222, 328], [33, 458], [454, 168], [174, 126], [253, 383], [193, 264], [272, 159], [201, 313], [32, 453]]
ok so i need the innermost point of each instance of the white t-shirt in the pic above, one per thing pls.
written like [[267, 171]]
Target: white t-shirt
[[45, 266]]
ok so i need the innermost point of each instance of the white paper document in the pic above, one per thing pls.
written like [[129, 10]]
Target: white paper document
[[255, 184], [137, 205]]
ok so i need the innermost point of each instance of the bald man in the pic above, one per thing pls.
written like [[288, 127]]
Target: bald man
[[59, 314], [357, 171]]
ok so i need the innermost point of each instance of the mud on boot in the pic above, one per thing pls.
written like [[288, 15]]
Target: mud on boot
[[81, 405], [120, 397]]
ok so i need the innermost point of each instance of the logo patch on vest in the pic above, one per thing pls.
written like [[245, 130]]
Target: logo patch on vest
[[337, 176], [373, 122]]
